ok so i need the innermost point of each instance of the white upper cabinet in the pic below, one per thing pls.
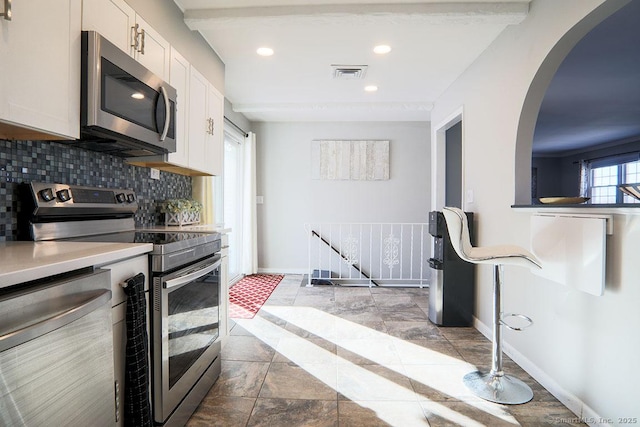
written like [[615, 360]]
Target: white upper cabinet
[[206, 116], [199, 123], [113, 19], [40, 70], [118, 22], [151, 49], [179, 79], [214, 150]]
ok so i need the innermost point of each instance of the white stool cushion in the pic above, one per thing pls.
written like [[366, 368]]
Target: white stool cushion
[[501, 254]]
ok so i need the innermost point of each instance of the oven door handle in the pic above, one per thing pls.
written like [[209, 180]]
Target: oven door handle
[[178, 281]]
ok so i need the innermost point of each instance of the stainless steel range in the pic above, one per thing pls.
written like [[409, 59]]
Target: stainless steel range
[[185, 296]]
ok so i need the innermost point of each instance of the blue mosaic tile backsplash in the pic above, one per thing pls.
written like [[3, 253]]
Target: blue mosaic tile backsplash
[[43, 161]]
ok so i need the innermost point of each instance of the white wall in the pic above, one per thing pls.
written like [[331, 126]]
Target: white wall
[[292, 198], [583, 347]]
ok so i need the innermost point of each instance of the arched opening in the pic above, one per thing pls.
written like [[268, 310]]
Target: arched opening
[[581, 78]]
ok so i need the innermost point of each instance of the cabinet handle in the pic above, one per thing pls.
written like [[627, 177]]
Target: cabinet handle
[[7, 10], [143, 34], [56, 320], [117, 396], [134, 37], [137, 39]]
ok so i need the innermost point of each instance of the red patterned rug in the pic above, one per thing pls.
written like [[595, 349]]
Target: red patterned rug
[[247, 296]]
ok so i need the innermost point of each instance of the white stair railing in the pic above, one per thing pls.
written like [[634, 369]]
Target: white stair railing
[[372, 254]]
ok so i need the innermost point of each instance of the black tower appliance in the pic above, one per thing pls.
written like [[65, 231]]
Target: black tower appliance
[[452, 285]]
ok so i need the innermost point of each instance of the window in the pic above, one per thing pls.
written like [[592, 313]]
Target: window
[[604, 176]]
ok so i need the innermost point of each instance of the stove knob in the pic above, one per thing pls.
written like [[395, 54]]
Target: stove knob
[[131, 198], [47, 194], [121, 198], [63, 195]]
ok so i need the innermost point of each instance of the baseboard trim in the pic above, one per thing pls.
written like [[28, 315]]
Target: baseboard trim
[[283, 270], [583, 411]]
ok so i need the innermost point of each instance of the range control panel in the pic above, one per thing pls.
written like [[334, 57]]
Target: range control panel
[[49, 195]]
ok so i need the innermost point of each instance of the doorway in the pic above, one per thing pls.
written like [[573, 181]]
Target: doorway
[[453, 166], [447, 163], [233, 201]]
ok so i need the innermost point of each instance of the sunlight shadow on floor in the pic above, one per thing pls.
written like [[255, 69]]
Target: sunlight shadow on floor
[[392, 402]]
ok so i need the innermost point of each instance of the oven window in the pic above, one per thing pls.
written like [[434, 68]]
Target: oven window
[[193, 322]]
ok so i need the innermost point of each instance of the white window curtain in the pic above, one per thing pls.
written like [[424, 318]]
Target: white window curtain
[[249, 216]]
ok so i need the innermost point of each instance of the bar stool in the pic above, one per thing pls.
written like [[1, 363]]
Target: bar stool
[[495, 385]]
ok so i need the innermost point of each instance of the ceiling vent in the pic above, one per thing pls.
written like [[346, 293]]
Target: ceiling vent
[[348, 72]]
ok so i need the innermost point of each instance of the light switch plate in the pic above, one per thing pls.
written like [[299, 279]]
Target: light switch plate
[[469, 196]]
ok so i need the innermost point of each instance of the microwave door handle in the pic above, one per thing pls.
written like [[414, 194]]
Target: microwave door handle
[[167, 113], [190, 277]]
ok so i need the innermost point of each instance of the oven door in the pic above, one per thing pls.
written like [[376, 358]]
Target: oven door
[[185, 328]]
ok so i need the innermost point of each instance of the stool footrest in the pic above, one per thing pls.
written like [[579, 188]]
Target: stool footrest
[[515, 328]]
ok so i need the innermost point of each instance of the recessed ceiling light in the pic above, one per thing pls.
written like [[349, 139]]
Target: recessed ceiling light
[[382, 49], [264, 51], [371, 88]]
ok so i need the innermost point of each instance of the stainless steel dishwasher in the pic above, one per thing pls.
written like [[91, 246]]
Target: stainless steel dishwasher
[[56, 352]]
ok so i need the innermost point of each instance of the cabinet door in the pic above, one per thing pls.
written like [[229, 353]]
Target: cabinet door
[[198, 120], [118, 315], [116, 21], [40, 67], [113, 19], [153, 50], [120, 272], [214, 150], [179, 79]]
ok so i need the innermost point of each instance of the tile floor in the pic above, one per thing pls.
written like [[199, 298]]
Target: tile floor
[[344, 356]]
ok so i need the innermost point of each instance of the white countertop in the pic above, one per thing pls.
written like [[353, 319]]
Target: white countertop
[[26, 261]]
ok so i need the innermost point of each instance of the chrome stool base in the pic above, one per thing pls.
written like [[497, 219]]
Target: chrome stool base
[[504, 389]]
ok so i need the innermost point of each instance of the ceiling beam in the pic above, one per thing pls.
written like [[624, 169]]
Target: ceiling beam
[[328, 106], [505, 13]]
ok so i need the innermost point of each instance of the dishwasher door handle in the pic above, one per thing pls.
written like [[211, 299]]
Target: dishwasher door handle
[[55, 321]]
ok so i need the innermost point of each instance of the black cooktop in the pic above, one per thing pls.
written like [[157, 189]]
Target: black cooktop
[[165, 238], [163, 241]]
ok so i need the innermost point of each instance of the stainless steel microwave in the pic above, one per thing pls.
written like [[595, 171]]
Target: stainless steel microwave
[[126, 109]]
